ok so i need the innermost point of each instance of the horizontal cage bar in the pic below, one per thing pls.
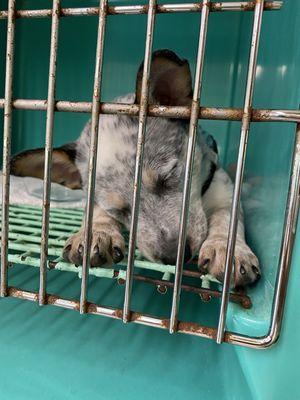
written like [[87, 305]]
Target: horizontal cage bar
[[189, 328], [211, 113], [143, 9]]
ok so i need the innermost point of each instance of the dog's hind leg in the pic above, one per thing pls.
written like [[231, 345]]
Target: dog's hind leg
[[217, 205], [108, 245]]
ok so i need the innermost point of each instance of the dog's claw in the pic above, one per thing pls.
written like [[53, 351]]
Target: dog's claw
[[66, 252], [96, 249], [242, 270], [255, 270], [117, 255], [80, 249], [203, 264], [98, 258]]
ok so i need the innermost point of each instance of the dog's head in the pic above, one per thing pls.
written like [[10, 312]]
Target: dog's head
[[163, 167]]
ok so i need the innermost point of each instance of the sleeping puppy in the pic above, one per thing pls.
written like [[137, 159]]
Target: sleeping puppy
[[162, 183]]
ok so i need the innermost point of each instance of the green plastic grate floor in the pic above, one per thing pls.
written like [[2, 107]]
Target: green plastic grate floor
[[25, 238]]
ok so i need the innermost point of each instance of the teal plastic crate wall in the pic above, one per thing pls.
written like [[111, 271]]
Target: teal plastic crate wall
[[259, 375]]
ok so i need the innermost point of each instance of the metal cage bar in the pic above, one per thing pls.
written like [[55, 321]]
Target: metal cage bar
[[189, 164], [93, 153], [139, 157], [7, 143], [258, 12], [287, 241], [48, 149], [184, 112], [143, 9], [199, 330], [288, 236], [162, 111]]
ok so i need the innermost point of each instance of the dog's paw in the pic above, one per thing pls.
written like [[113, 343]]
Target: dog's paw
[[107, 247], [212, 257]]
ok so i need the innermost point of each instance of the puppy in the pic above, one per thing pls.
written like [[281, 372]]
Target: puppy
[[162, 183]]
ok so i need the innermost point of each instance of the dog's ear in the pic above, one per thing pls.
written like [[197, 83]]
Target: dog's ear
[[170, 80], [64, 171]]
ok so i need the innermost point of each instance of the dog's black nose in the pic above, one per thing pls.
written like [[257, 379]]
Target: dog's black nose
[[171, 260]]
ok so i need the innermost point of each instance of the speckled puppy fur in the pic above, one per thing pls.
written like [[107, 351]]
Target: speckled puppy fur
[[162, 183]]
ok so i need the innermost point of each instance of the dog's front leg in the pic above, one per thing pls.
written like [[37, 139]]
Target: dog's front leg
[[212, 255], [108, 245]]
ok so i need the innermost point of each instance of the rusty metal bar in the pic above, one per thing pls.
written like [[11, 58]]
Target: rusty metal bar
[[211, 113], [139, 157], [7, 129], [258, 12], [244, 6], [115, 313], [238, 298], [93, 153], [143, 9], [48, 149], [189, 164], [138, 318], [148, 320], [193, 7]]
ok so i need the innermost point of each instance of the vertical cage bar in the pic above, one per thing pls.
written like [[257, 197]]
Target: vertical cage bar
[[258, 11], [48, 149], [189, 164], [139, 158], [286, 249], [290, 225], [7, 129], [93, 153]]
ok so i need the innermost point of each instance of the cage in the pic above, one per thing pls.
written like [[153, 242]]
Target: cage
[[64, 354]]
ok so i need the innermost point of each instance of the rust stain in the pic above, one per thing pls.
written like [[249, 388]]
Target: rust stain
[[260, 115], [145, 9], [205, 294], [13, 291], [162, 289], [21, 294], [91, 308], [205, 297], [166, 323], [51, 299], [246, 302], [192, 327], [248, 7], [118, 313]]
